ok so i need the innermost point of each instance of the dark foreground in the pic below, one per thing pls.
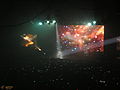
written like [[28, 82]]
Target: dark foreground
[[57, 74]]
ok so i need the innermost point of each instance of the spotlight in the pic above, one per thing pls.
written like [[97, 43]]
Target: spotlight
[[48, 21], [40, 23], [89, 24], [59, 55], [54, 21], [94, 22]]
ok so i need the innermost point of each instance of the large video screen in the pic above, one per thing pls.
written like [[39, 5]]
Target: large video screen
[[82, 38]]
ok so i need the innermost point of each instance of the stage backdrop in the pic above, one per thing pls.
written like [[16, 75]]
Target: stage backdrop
[[81, 38]]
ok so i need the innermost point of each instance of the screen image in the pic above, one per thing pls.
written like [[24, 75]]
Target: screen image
[[81, 38]]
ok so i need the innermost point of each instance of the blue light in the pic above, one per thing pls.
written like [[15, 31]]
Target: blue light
[[72, 50], [65, 41], [75, 48]]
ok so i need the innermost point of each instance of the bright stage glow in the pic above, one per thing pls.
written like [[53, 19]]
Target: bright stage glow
[[40, 23], [30, 40], [59, 55], [94, 22], [48, 21], [89, 24], [54, 21], [82, 38], [59, 52]]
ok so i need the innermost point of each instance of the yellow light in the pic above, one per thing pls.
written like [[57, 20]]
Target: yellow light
[[29, 43], [100, 31], [26, 37]]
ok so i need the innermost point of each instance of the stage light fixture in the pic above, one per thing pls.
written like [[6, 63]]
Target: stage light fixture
[[54, 21], [40, 23], [48, 22], [94, 22], [89, 24]]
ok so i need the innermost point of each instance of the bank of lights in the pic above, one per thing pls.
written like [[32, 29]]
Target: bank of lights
[[93, 23], [47, 22]]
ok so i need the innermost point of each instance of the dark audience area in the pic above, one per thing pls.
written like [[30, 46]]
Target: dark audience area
[[62, 74]]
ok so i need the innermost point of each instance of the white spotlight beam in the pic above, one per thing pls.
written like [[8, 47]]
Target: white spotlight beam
[[59, 52]]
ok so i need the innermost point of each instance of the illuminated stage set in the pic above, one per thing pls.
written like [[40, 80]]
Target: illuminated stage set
[[79, 39], [82, 40]]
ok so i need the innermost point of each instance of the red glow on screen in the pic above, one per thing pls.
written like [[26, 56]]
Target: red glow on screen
[[86, 38]]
